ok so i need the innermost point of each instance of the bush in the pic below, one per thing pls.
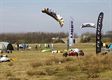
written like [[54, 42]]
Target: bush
[[92, 65], [14, 78], [51, 70], [34, 73], [9, 74], [70, 68], [36, 64]]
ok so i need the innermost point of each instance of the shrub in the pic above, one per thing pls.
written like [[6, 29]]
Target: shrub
[[14, 78], [10, 64], [52, 60], [92, 65], [9, 74], [51, 70], [70, 68], [36, 64], [33, 73]]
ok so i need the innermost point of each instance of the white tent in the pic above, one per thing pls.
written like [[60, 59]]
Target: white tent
[[4, 46]]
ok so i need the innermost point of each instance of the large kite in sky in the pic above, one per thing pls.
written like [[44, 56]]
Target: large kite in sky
[[54, 15]]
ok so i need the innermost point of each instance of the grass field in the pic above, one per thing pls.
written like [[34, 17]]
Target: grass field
[[35, 65]]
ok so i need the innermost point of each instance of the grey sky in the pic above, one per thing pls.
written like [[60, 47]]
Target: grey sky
[[26, 15]]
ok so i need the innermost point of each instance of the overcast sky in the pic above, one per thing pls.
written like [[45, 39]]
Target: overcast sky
[[26, 15]]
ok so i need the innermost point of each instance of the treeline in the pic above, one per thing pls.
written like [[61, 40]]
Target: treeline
[[91, 37], [108, 37], [46, 37], [31, 37]]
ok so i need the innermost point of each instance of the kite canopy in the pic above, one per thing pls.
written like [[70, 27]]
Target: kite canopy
[[53, 14], [91, 25]]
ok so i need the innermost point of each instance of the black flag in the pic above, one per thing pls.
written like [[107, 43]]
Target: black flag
[[98, 33]]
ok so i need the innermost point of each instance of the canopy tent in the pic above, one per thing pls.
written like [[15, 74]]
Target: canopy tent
[[23, 46], [5, 46], [2, 46], [110, 46]]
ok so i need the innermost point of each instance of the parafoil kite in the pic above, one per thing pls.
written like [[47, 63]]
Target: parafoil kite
[[53, 14], [92, 25]]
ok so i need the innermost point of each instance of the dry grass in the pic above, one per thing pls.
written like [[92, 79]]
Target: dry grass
[[35, 65], [14, 78]]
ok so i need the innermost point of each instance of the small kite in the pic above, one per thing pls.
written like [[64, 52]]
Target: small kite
[[53, 14], [92, 25]]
